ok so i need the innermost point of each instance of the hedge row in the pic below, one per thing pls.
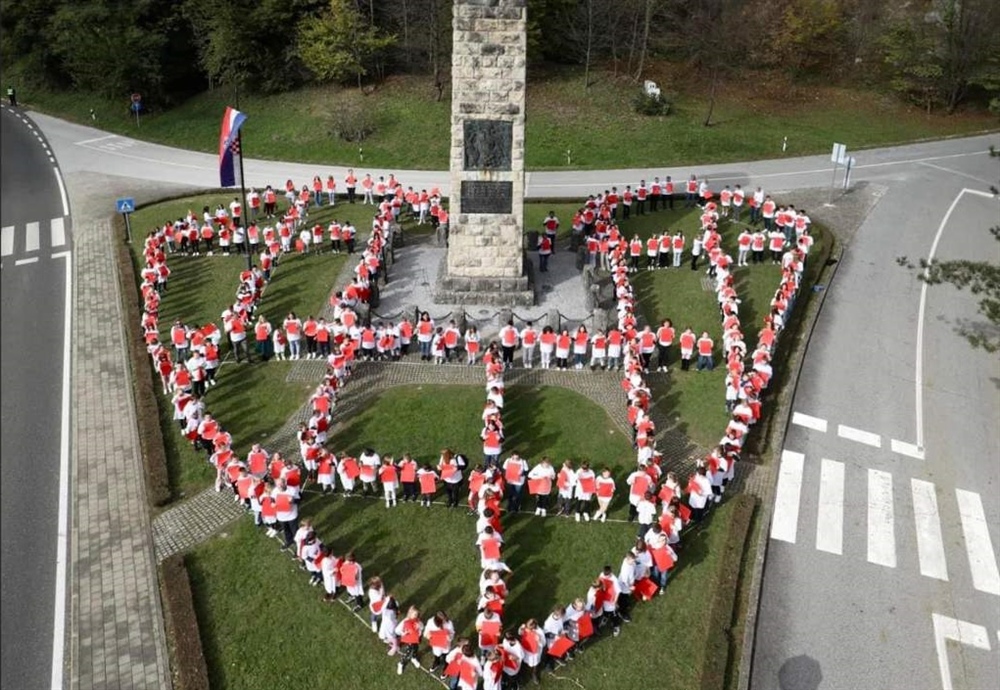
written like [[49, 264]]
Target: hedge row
[[144, 393], [190, 668], [713, 675]]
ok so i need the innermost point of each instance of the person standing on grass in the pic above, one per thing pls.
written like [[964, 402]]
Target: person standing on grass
[[583, 490], [705, 347], [439, 631], [542, 476], [409, 631], [286, 502], [450, 468], [515, 469], [427, 478], [605, 485]]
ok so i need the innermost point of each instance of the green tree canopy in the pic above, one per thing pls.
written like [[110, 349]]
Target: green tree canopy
[[340, 45]]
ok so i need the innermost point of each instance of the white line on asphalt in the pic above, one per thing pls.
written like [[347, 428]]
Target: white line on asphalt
[[881, 526], [979, 546], [62, 190], [930, 545], [865, 437], [946, 628], [31, 237], [908, 449], [980, 180], [91, 141], [58, 232], [59, 255], [809, 421], [7, 240], [830, 518], [22, 262], [785, 519], [62, 525], [919, 364]]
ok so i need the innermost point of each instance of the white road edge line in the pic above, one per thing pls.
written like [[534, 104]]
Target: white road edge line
[[809, 421], [62, 190], [62, 535], [58, 229], [978, 545], [859, 435], [785, 519], [22, 262], [91, 141], [907, 449], [59, 255], [921, 310], [945, 629]]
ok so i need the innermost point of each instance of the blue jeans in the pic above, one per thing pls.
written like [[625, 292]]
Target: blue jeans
[[705, 362]]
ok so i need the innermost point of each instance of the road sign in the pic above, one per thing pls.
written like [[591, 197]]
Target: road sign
[[136, 106], [839, 154], [126, 205], [136, 98]]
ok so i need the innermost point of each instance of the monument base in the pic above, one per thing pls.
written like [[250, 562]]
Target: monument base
[[491, 291]]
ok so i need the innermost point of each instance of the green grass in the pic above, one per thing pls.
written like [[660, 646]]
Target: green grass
[[257, 635], [596, 126]]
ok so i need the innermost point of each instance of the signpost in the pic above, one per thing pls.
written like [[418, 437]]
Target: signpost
[[125, 207], [838, 157], [136, 106]]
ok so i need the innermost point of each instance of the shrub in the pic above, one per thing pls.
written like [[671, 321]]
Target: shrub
[[653, 105]]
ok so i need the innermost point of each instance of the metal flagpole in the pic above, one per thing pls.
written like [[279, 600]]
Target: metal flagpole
[[245, 215]]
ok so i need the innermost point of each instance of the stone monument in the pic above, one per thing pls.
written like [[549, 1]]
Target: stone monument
[[485, 262]]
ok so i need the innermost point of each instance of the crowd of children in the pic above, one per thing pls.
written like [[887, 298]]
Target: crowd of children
[[270, 486]]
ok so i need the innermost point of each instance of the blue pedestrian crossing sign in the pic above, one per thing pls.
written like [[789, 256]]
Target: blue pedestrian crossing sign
[[126, 205]]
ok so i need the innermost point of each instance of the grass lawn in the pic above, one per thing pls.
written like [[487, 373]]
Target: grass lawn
[[273, 629], [568, 126]]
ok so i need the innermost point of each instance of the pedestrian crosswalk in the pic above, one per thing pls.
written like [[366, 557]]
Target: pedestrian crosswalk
[[881, 518], [28, 239]]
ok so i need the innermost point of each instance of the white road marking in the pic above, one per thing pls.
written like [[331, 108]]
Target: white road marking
[[830, 520], [979, 546], [946, 628], [881, 526], [62, 190], [785, 520], [907, 449], [59, 255], [62, 524], [930, 545], [22, 262], [31, 237], [91, 141], [809, 422], [7, 240], [921, 310], [58, 232], [985, 183], [865, 437]]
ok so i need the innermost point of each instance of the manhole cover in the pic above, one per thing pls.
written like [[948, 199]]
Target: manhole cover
[[484, 312]]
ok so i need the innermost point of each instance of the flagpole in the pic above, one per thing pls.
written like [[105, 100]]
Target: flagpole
[[245, 216]]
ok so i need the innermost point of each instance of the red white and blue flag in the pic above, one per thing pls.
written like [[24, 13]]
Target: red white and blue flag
[[229, 148]]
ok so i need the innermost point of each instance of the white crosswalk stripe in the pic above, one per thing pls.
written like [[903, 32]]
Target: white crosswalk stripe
[[27, 238], [982, 558], [830, 521], [31, 237], [784, 522], [799, 484], [881, 519], [930, 545], [7, 240]]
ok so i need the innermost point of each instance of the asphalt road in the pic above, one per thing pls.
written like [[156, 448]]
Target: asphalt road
[[887, 539], [907, 529], [31, 360]]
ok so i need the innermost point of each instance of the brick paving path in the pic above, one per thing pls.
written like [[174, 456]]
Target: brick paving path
[[116, 636]]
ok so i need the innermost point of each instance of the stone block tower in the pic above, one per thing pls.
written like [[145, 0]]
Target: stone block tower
[[485, 262]]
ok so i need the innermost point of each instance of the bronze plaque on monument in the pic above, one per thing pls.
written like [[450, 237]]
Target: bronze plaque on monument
[[488, 144], [487, 197]]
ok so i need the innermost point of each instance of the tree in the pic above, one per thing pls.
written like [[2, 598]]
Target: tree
[[340, 45]]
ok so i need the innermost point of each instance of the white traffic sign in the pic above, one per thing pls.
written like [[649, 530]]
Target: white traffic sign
[[839, 154]]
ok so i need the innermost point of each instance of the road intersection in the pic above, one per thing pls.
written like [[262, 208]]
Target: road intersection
[[885, 531]]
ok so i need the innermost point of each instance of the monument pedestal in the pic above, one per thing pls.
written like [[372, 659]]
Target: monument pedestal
[[513, 291]]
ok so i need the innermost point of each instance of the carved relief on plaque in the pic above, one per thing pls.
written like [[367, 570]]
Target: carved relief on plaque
[[488, 144]]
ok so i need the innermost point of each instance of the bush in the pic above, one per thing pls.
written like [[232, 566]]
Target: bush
[[653, 105], [351, 122], [190, 667]]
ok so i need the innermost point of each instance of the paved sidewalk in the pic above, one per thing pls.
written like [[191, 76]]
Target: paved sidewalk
[[115, 628]]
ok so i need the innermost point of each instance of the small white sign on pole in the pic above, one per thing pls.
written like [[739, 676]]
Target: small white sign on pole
[[839, 154]]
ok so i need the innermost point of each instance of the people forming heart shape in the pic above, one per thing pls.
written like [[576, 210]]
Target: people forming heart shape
[[270, 486]]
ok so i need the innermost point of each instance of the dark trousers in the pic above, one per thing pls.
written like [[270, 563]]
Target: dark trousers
[[288, 529], [640, 207], [514, 493], [662, 355], [508, 355], [627, 211], [543, 262], [410, 491], [654, 201], [350, 195], [694, 262], [453, 491]]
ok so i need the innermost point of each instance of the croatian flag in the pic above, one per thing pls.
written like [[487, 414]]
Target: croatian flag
[[229, 148]]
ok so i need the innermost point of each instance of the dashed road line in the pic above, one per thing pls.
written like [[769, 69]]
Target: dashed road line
[[830, 520], [930, 545], [7, 240], [866, 437], [22, 262], [881, 520], [809, 422], [31, 237], [785, 520], [979, 546]]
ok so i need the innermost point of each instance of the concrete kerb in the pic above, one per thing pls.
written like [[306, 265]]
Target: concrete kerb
[[784, 413]]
